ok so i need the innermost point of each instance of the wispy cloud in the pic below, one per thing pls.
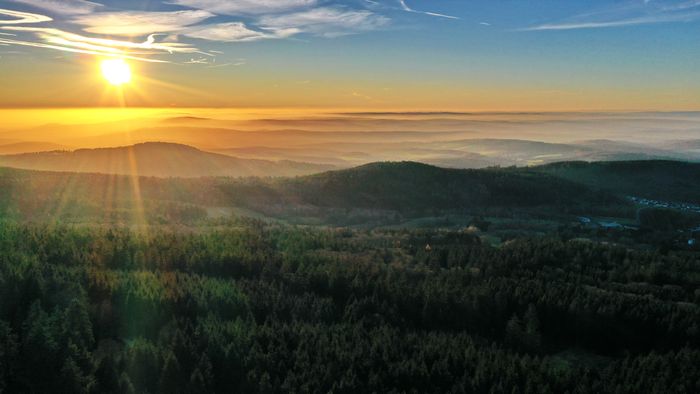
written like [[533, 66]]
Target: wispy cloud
[[632, 14], [678, 6], [60, 40], [221, 65], [617, 23], [406, 8], [20, 18], [154, 35], [63, 7], [34, 44], [361, 96], [283, 18], [200, 60], [325, 21], [130, 24], [235, 32], [139, 23], [246, 7]]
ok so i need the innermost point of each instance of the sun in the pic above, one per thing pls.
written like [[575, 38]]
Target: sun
[[116, 71]]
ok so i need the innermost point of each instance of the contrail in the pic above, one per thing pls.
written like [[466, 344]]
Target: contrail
[[406, 8]]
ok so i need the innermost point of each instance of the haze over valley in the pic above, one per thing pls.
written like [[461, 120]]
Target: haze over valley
[[316, 141]]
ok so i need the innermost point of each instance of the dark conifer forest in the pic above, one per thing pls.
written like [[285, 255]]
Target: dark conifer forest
[[524, 296]]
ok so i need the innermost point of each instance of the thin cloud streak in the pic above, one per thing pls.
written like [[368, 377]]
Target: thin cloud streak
[[76, 50], [406, 8], [237, 64], [63, 7], [50, 34], [22, 17], [617, 23], [632, 15]]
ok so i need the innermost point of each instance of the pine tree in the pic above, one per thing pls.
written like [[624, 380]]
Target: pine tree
[[107, 376], [169, 382], [8, 354], [201, 379], [533, 337], [514, 332]]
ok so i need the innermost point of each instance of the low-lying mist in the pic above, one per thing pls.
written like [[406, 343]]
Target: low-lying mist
[[341, 139]]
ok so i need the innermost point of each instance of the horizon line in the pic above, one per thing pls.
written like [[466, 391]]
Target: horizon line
[[362, 111]]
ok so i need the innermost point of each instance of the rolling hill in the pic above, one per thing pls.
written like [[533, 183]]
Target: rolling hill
[[655, 179], [409, 188], [156, 159], [415, 187]]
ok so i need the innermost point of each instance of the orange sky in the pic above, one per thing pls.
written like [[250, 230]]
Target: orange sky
[[80, 84]]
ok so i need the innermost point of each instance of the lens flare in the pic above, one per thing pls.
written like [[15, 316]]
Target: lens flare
[[116, 71]]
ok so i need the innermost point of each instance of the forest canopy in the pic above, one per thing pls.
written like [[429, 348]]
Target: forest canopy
[[246, 306]]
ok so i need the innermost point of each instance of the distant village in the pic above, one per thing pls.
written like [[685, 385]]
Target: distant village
[[680, 206], [689, 237]]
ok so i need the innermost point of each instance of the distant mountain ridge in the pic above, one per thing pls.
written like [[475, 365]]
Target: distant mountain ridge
[[29, 147], [159, 159]]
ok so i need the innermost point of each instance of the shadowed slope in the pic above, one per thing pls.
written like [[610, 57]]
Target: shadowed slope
[[657, 179], [410, 186]]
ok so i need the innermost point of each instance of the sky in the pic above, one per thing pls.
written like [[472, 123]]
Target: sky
[[462, 55]]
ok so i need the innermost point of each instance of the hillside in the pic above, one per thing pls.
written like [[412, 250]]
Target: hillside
[[156, 159], [416, 187], [659, 179], [403, 187], [408, 188], [39, 196]]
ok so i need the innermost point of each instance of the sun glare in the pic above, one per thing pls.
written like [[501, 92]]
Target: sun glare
[[116, 71]]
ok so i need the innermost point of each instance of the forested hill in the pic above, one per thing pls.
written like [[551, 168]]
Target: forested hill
[[405, 187], [655, 179], [409, 186]]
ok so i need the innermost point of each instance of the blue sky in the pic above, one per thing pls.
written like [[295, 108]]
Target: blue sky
[[644, 52]]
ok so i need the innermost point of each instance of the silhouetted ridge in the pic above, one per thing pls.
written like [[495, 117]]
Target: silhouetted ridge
[[161, 159], [146, 146]]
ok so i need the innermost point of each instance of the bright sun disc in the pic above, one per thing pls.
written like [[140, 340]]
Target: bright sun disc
[[116, 71]]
